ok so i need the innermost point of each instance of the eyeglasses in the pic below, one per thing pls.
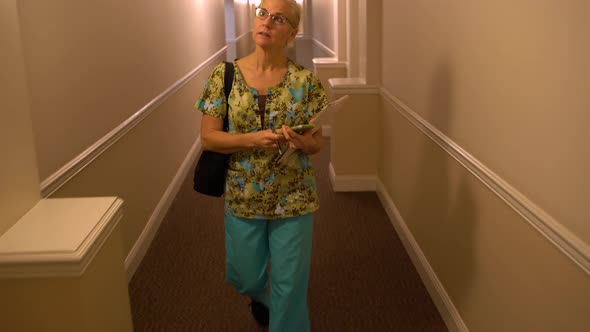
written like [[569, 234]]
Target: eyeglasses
[[262, 13]]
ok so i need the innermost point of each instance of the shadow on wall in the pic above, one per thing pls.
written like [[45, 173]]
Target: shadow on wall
[[443, 214]]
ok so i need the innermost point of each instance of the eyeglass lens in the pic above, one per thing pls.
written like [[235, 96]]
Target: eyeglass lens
[[263, 13]]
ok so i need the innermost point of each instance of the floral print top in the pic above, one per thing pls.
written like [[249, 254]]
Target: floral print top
[[256, 186]]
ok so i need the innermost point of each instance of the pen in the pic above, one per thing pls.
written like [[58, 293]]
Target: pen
[[272, 127]]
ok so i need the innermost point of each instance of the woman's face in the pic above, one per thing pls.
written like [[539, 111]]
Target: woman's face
[[268, 33]]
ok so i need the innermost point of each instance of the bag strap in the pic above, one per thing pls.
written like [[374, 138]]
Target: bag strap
[[228, 81]]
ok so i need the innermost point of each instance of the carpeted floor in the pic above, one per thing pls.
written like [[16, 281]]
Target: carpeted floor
[[361, 277]]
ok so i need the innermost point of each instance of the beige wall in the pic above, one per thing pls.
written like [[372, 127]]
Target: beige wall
[[19, 181], [239, 16], [93, 64], [500, 273], [518, 85], [111, 59], [244, 13], [323, 23], [244, 46], [371, 41], [139, 167], [324, 73], [506, 81], [360, 116]]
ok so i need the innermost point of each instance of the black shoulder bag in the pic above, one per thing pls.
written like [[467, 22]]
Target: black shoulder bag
[[211, 168]]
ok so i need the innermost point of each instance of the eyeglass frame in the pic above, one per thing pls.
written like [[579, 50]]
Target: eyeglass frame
[[273, 17]]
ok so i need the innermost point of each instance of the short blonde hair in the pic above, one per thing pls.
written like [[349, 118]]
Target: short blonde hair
[[295, 9]]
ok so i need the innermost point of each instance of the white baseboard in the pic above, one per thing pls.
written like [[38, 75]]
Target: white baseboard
[[147, 235], [435, 288], [352, 182]]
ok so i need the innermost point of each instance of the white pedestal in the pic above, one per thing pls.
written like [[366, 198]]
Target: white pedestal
[[61, 268]]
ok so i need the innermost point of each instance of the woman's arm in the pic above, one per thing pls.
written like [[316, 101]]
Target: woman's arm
[[215, 139]]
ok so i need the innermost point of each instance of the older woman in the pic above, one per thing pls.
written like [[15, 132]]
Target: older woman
[[268, 204]]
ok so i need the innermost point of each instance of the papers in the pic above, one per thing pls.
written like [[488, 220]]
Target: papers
[[323, 117], [320, 120]]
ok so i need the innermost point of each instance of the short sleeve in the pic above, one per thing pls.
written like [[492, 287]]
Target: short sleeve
[[317, 99], [212, 99]]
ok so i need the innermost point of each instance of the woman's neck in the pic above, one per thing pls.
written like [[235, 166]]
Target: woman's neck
[[269, 60]]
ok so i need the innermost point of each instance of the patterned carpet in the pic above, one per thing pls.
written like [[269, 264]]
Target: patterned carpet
[[361, 277]]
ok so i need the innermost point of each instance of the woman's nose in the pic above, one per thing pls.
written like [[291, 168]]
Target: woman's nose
[[267, 20]]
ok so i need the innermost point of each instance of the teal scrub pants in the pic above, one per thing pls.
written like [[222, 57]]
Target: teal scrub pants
[[250, 244]]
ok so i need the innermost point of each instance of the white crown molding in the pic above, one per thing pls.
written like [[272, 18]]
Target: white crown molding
[[19, 258], [567, 242], [347, 183], [435, 287], [146, 237], [73, 167]]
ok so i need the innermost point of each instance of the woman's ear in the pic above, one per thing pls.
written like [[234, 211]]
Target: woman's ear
[[291, 40]]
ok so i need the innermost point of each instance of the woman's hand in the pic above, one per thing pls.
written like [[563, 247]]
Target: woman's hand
[[215, 139], [308, 142], [266, 139]]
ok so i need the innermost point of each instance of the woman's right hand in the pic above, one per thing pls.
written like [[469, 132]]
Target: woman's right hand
[[266, 139], [213, 138]]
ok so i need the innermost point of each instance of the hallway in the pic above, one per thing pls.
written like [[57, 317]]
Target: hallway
[[463, 137], [361, 279]]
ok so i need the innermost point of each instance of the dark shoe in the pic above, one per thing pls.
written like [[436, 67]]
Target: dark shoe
[[259, 312]]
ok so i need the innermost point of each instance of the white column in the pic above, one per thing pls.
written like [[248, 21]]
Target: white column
[[352, 37], [19, 179], [340, 30], [364, 40], [371, 15]]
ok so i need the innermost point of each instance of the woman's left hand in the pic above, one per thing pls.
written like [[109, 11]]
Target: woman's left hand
[[306, 142]]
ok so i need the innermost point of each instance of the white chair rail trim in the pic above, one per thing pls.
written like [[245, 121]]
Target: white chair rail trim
[[235, 40], [331, 63], [567, 242], [352, 86], [324, 48], [73, 167]]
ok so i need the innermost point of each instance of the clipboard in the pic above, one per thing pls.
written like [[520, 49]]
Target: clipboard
[[320, 119]]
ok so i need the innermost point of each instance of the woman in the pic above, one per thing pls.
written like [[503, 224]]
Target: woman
[[268, 204]]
